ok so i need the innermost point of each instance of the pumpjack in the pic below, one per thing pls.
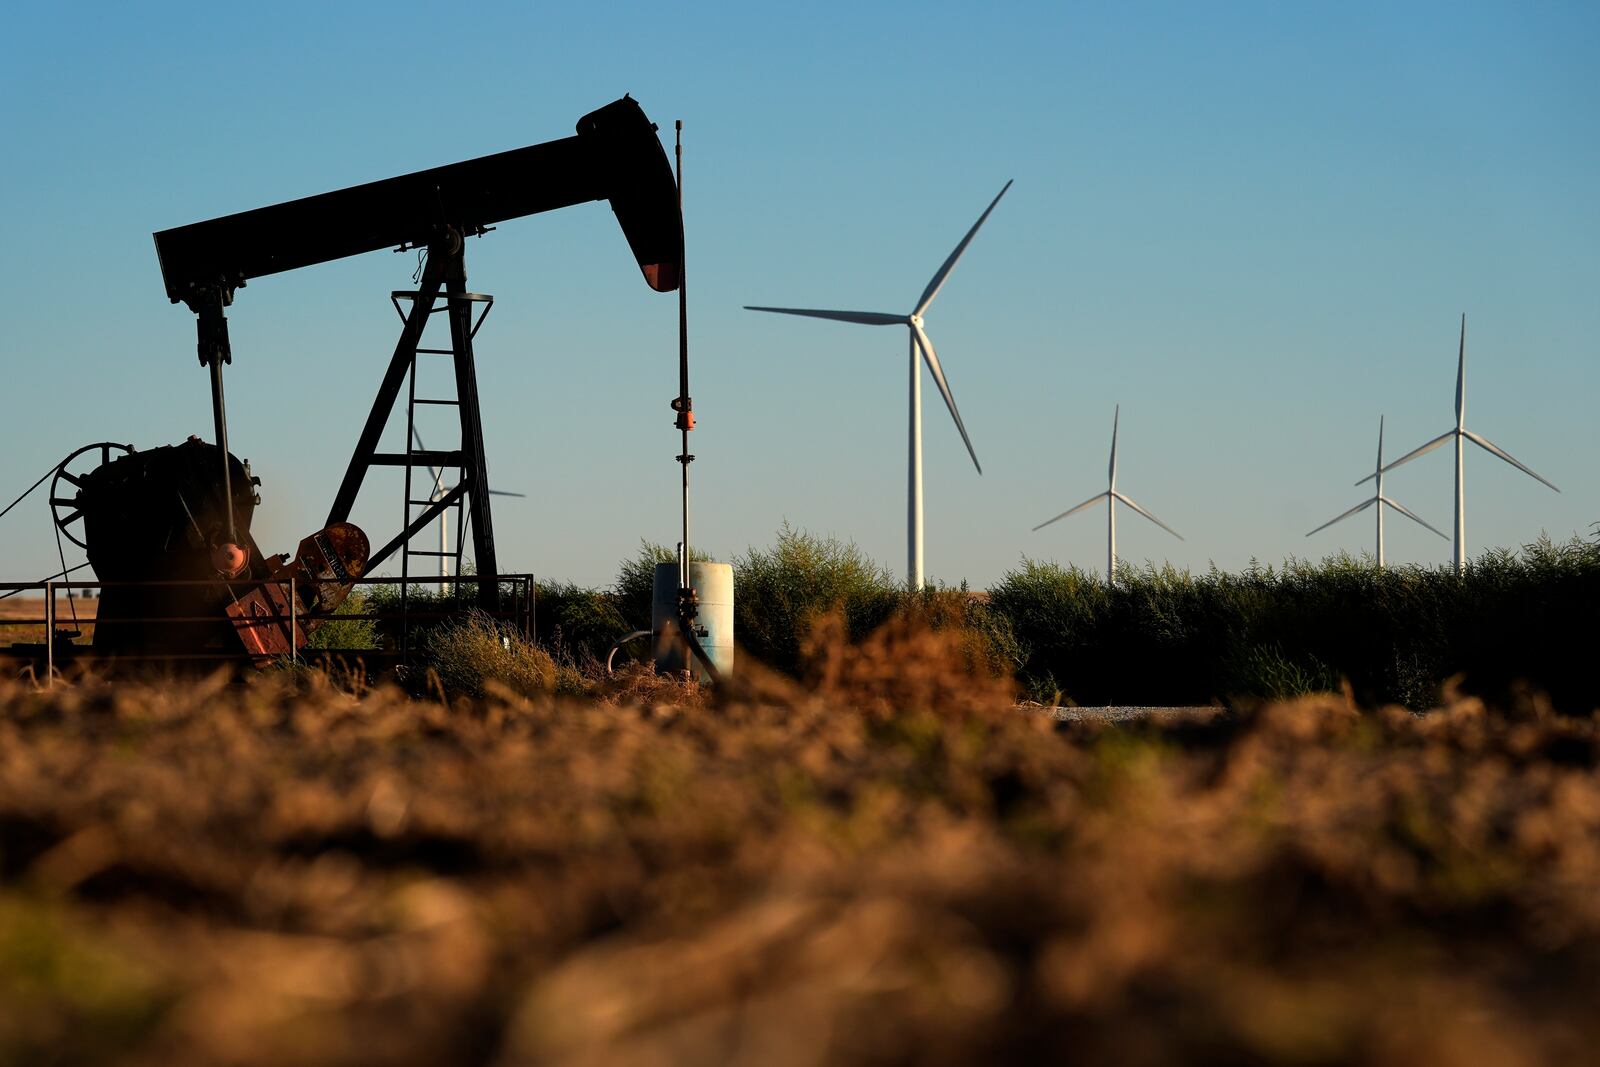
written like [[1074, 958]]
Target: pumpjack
[[181, 515]]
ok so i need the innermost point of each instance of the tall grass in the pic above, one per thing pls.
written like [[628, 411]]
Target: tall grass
[[1163, 636], [474, 654], [1160, 635]]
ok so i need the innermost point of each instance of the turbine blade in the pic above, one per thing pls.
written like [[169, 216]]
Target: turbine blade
[[1073, 511], [1380, 446], [864, 318], [1413, 516], [944, 272], [502, 492], [1129, 501], [1413, 454], [1494, 449], [1111, 468], [932, 359], [438, 474], [1363, 506], [1461, 376]]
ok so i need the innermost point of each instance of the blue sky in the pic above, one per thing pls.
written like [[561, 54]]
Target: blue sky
[[1252, 225]]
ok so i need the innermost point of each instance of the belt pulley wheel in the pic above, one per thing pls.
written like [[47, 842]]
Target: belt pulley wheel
[[64, 509]]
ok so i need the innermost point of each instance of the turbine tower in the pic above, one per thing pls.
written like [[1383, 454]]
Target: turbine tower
[[1380, 500], [918, 342], [437, 493], [1111, 496], [1460, 435]]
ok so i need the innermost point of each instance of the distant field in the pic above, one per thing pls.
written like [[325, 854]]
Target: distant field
[[883, 862], [18, 607]]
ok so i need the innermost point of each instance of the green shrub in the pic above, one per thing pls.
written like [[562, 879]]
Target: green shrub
[[346, 633], [1164, 636], [411, 613], [989, 640], [464, 655], [780, 591], [577, 625]]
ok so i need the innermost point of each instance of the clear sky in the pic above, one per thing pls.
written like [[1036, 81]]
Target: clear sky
[[1252, 225]]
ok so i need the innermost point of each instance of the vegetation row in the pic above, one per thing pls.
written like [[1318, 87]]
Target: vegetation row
[[1158, 636]]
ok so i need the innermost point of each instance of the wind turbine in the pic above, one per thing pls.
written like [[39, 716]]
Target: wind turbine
[[1111, 496], [1460, 434], [919, 341], [439, 490], [1379, 499]]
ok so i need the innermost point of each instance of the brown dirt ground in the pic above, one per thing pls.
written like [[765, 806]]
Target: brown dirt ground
[[886, 863]]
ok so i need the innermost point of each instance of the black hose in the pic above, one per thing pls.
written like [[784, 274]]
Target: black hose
[[617, 647]]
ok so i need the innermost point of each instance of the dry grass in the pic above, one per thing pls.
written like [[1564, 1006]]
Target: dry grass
[[884, 864], [20, 607], [14, 608]]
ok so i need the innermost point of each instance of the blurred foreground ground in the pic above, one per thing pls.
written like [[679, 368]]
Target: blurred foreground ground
[[887, 864]]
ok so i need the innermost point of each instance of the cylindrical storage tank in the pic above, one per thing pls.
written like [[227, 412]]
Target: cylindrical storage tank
[[714, 626]]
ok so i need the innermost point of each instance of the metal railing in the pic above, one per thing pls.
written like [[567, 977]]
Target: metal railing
[[399, 624]]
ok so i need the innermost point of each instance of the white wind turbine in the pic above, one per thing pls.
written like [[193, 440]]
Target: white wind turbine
[[919, 341], [436, 494], [1460, 434], [1111, 496], [1380, 500]]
